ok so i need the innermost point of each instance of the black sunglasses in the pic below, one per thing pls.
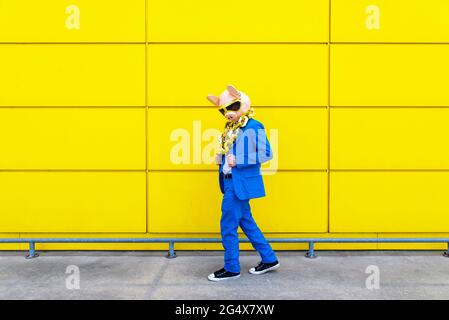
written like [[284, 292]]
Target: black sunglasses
[[232, 106]]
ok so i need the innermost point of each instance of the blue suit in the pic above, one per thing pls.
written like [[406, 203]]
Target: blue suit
[[251, 149]]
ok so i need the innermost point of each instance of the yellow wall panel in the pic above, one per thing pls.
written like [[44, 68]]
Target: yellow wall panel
[[71, 138], [389, 201], [389, 138], [301, 136], [72, 201], [72, 21], [390, 21], [295, 202], [72, 75], [183, 138], [189, 138], [389, 75], [243, 21], [188, 201], [271, 74], [183, 201]]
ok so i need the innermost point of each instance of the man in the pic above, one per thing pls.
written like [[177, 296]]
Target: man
[[244, 147]]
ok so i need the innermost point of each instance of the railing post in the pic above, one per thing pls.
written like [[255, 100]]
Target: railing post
[[446, 254], [171, 250], [311, 253], [31, 254]]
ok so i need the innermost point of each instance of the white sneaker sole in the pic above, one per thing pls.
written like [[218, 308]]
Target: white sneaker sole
[[253, 270], [211, 277]]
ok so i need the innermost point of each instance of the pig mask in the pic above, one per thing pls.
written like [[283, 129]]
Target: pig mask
[[229, 95], [236, 118]]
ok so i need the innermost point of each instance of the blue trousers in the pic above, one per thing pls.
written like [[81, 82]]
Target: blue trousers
[[235, 213]]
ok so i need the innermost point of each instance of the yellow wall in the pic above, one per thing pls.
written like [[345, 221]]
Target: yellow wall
[[94, 93]]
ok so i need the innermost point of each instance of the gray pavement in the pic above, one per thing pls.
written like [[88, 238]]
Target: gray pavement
[[149, 275]]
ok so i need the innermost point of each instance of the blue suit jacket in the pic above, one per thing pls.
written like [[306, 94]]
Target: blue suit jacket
[[251, 149]]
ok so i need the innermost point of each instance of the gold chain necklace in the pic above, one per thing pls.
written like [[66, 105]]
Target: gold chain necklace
[[232, 130]]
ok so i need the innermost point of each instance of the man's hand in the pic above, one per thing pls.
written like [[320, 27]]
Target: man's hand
[[231, 160], [218, 158]]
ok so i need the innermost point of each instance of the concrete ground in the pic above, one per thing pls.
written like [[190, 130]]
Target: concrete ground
[[149, 275]]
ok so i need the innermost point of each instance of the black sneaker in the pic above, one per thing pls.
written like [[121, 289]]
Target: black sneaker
[[222, 274], [264, 267]]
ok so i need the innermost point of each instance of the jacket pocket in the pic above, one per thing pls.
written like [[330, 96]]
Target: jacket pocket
[[253, 184]]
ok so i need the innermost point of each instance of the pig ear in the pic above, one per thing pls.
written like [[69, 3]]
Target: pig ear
[[215, 100], [233, 91]]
